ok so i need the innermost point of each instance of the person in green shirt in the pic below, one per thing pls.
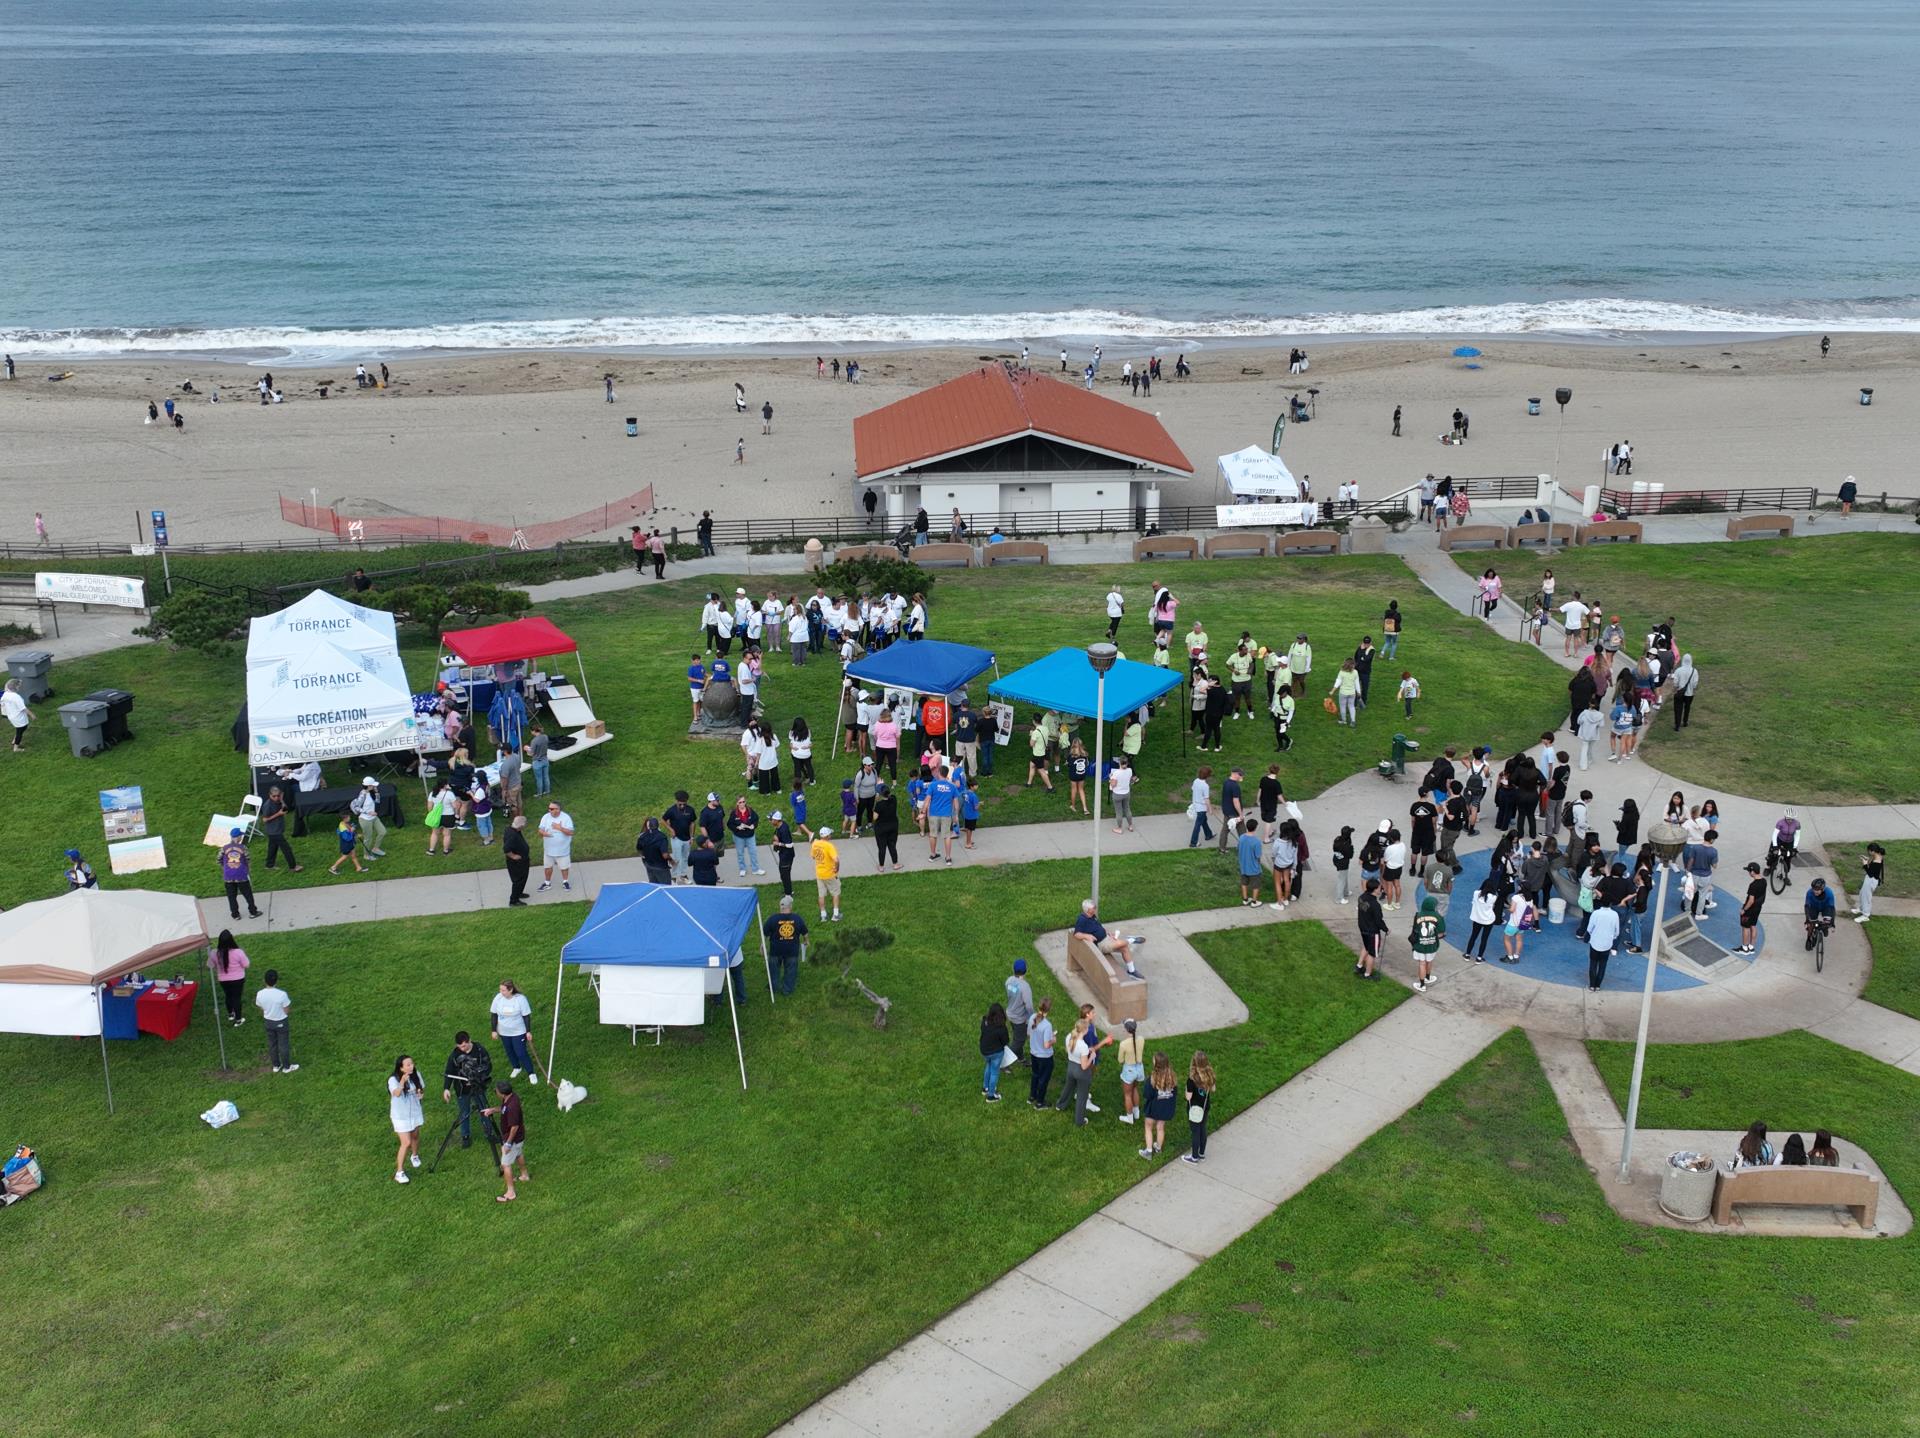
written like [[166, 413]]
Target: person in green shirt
[[1274, 662], [1037, 743], [1300, 661], [1240, 671], [1197, 642], [1429, 928]]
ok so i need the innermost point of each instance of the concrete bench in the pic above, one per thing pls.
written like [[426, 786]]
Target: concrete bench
[[1254, 544], [1464, 534], [1741, 525], [1307, 541], [1613, 531], [1119, 995], [1796, 1187], [1567, 533], [1015, 551], [944, 553], [1167, 546]]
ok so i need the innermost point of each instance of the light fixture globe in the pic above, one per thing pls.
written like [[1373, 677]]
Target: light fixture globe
[[1102, 657], [1667, 840]]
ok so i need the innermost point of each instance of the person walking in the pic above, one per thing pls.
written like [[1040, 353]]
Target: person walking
[[519, 861], [403, 1108], [273, 1003], [826, 872], [639, 545], [993, 1047], [348, 839], [511, 1016], [13, 706], [1685, 682], [1488, 592], [766, 417], [1873, 871], [1198, 806], [1201, 1086], [229, 964], [556, 847], [1040, 1053], [1116, 610], [236, 875], [366, 814]]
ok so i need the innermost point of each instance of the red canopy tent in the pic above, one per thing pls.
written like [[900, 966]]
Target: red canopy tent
[[534, 637]]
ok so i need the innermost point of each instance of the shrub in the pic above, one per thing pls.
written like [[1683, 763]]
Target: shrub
[[430, 606], [201, 619], [874, 574]]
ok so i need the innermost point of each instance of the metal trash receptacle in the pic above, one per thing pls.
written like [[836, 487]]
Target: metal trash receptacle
[[119, 705], [1686, 1188], [1533, 406], [34, 669], [1866, 396], [86, 725]]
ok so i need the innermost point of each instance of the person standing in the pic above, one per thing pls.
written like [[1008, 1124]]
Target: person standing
[[766, 417], [13, 705], [273, 823], [273, 1003], [743, 827], [1346, 690], [1390, 630], [1750, 905], [1252, 874], [513, 1137], [1019, 1008], [519, 861], [639, 543], [1233, 809], [1039, 1053], [657, 551], [1162, 1090], [993, 1046], [656, 856], [826, 872], [1603, 932], [1373, 930], [403, 1108], [1078, 1084], [1396, 425], [236, 875], [1199, 805], [229, 964], [537, 750], [1429, 927], [1300, 662], [783, 851], [556, 847], [1201, 1085], [966, 739], [468, 1071], [511, 1016], [1873, 870], [703, 531], [786, 934]]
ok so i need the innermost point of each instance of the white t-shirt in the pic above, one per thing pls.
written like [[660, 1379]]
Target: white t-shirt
[[756, 623], [1116, 604], [403, 1105], [1202, 793], [797, 629], [801, 748], [769, 755], [273, 1004], [1395, 856], [15, 709], [1575, 613], [510, 1015], [551, 838], [1120, 780]]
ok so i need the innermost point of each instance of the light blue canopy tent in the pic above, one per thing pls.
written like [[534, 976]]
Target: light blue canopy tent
[[1064, 681], [668, 928], [919, 666]]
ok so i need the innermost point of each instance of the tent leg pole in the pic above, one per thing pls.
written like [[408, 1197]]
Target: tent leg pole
[[765, 958], [553, 1039], [106, 1068], [214, 995], [739, 1052], [581, 660]]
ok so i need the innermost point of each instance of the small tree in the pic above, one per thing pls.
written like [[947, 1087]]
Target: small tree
[[430, 606], [872, 575], [198, 619]]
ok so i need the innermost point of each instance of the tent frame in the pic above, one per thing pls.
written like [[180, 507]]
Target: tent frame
[[850, 685], [100, 1008]]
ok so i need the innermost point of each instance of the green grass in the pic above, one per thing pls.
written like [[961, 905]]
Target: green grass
[[636, 645], [1895, 980], [1903, 868], [1801, 643], [687, 1258], [1462, 1272]]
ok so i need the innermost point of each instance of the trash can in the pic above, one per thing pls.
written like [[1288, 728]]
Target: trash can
[[633, 425], [119, 705], [1686, 1189], [1866, 396], [86, 724], [33, 668], [1556, 910], [1533, 406]]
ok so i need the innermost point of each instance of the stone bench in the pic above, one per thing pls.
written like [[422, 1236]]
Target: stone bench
[[944, 552], [1613, 531], [1307, 541], [1167, 546], [1254, 544], [1520, 535], [1797, 1187], [1014, 551], [1119, 995], [1461, 534], [1741, 525]]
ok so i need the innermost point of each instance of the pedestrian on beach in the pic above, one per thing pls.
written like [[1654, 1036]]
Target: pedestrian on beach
[[1396, 421], [40, 536], [766, 417], [740, 450], [609, 383], [1200, 1090]]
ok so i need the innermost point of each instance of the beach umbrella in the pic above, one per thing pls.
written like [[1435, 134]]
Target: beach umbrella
[[1466, 352]]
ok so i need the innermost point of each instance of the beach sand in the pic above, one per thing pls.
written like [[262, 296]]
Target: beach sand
[[525, 437]]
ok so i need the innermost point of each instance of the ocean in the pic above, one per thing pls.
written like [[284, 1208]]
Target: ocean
[[284, 177]]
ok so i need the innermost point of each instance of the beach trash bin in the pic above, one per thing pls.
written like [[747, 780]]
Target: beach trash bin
[[1866, 396], [119, 705], [1556, 910], [633, 425], [1533, 405], [816, 553], [34, 669], [1686, 1186], [85, 721]]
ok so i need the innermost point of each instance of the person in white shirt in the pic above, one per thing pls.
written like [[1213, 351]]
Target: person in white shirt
[[1116, 607], [511, 1014], [797, 637], [1574, 614], [556, 847], [366, 811], [756, 625], [1393, 860], [1120, 786], [723, 631], [710, 620], [273, 1003]]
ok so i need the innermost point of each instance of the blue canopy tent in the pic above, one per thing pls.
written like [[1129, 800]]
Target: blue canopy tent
[[921, 666], [1065, 681], [654, 947]]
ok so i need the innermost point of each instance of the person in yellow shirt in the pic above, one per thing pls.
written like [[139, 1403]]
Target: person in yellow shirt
[[826, 872]]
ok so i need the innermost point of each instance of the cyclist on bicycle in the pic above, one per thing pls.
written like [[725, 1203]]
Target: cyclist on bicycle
[[1818, 907]]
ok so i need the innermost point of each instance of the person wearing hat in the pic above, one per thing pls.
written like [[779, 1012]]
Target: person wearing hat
[[519, 860], [866, 785], [80, 873], [366, 810], [1756, 895], [237, 875], [273, 823], [1019, 1008], [826, 872]]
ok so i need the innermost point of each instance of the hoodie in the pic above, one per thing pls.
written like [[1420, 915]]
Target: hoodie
[[1428, 927], [1686, 679]]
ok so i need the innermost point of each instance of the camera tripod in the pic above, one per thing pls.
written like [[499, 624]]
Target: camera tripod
[[488, 1129]]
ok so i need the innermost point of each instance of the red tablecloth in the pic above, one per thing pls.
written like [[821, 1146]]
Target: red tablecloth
[[165, 1014]]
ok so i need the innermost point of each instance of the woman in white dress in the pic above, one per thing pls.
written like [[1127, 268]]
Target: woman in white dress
[[403, 1104]]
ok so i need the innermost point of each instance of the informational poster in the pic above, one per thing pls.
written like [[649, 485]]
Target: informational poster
[[1001, 716], [136, 856], [112, 589], [123, 812]]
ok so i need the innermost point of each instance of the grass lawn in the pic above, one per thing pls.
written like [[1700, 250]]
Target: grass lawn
[[636, 646], [1903, 868], [1895, 980], [1800, 644], [1462, 1272], [687, 1258]]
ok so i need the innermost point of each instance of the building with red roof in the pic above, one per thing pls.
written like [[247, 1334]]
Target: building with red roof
[[1002, 441]]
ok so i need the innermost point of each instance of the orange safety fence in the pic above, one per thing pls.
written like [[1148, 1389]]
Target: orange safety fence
[[376, 529]]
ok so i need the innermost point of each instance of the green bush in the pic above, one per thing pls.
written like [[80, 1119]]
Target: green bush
[[430, 606], [202, 619], [874, 574]]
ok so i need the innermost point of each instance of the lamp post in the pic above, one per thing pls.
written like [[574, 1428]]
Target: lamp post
[[1101, 657], [1562, 397], [1667, 840]]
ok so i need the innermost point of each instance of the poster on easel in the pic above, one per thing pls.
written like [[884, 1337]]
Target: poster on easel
[[1001, 716], [137, 856], [123, 812]]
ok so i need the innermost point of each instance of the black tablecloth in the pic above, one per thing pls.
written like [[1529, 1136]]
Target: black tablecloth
[[332, 801]]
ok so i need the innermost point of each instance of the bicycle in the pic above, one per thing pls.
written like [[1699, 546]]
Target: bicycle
[[1820, 930], [1779, 867]]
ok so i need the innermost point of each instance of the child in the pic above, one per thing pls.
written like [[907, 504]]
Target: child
[[849, 806], [970, 809], [1132, 1071], [483, 810], [798, 800], [1162, 1090], [917, 800], [1409, 690], [349, 838], [1078, 767], [1251, 875], [1429, 927], [1538, 620]]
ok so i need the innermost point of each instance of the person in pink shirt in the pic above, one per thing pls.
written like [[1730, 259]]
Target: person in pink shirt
[[229, 964], [886, 743]]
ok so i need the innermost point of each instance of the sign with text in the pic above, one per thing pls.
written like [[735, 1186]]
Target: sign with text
[[124, 812], [113, 589], [1304, 513]]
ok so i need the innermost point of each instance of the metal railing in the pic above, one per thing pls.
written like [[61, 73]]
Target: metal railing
[[1624, 503]]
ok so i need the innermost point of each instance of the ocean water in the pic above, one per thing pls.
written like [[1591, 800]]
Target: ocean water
[[285, 175]]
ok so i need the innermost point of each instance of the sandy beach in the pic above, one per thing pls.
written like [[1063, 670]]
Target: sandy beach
[[525, 437]]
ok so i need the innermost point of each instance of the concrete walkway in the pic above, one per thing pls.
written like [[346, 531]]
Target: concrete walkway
[[981, 1359]]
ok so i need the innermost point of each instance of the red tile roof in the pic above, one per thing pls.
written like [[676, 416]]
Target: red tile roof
[[993, 404]]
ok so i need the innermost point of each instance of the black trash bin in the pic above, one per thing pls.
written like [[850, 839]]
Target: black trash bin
[[119, 705], [34, 669], [85, 721]]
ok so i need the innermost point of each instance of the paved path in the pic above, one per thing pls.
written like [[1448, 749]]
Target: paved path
[[984, 1357]]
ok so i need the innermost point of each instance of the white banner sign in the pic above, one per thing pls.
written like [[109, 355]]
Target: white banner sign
[[1240, 516], [325, 703], [114, 589]]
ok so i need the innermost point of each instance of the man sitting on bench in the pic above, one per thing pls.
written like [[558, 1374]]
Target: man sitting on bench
[[1096, 932]]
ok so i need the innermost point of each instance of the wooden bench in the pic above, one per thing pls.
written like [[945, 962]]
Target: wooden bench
[[1167, 546], [1796, 1187], [1613, 531], [1307, 541], [1567, 533], [1741, 525], [1491, 534], [1119, 995], [1254, 544], [944, 552], [1014, 551]]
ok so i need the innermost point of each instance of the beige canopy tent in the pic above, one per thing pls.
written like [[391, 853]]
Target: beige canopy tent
[[57, 955]]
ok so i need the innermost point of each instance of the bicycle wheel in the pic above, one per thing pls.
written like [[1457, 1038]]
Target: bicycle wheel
[[1820, 951], [1777, 878]]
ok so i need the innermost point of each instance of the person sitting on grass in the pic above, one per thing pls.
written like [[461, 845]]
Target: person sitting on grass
[[1119, 946]]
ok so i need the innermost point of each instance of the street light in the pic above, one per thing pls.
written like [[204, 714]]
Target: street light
[[1667, 840], [1101, 656], [1562, 397]]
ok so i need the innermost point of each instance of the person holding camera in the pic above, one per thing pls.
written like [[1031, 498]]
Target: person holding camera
[[469, 1067], [513, 1137]]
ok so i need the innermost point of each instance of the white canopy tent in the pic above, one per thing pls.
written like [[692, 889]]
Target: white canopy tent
[[1253, 473], [59, 955], [324, 702], [348, 627]]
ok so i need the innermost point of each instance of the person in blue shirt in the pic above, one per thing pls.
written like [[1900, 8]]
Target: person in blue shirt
[[1116, 944], [970, 809], [696, 681], [1818, 907], [797, 802], [1252, 872], [917, 801], [943, 798]]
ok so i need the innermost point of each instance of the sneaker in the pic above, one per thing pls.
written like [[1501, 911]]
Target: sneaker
[[1145, 1152], [1861, 918], [414, 1159], [993, 1098], [1128, 1117], [1343, 901], [565, 884], [1092, 1107], [836, 916], [276, 1068], [377, 853], [294, 1068], [1420, 986], [401, 1178], [514, 1074], [533, 1080], [1479, 958], [759, 871], [823, 916], [545, 884], [1188, 1158]]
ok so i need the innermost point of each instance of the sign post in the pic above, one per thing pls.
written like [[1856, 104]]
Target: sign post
[[160, 543]]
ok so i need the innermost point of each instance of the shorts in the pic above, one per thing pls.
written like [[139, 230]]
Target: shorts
[[511, 1153], [1252, 876], [695, 693], [939, 824], [1242, 686], [562, 857], [1422, 845], [1392, 876], [1511, 930], [828, 886], [1132, 1073], [971, 825], [449, 819]]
